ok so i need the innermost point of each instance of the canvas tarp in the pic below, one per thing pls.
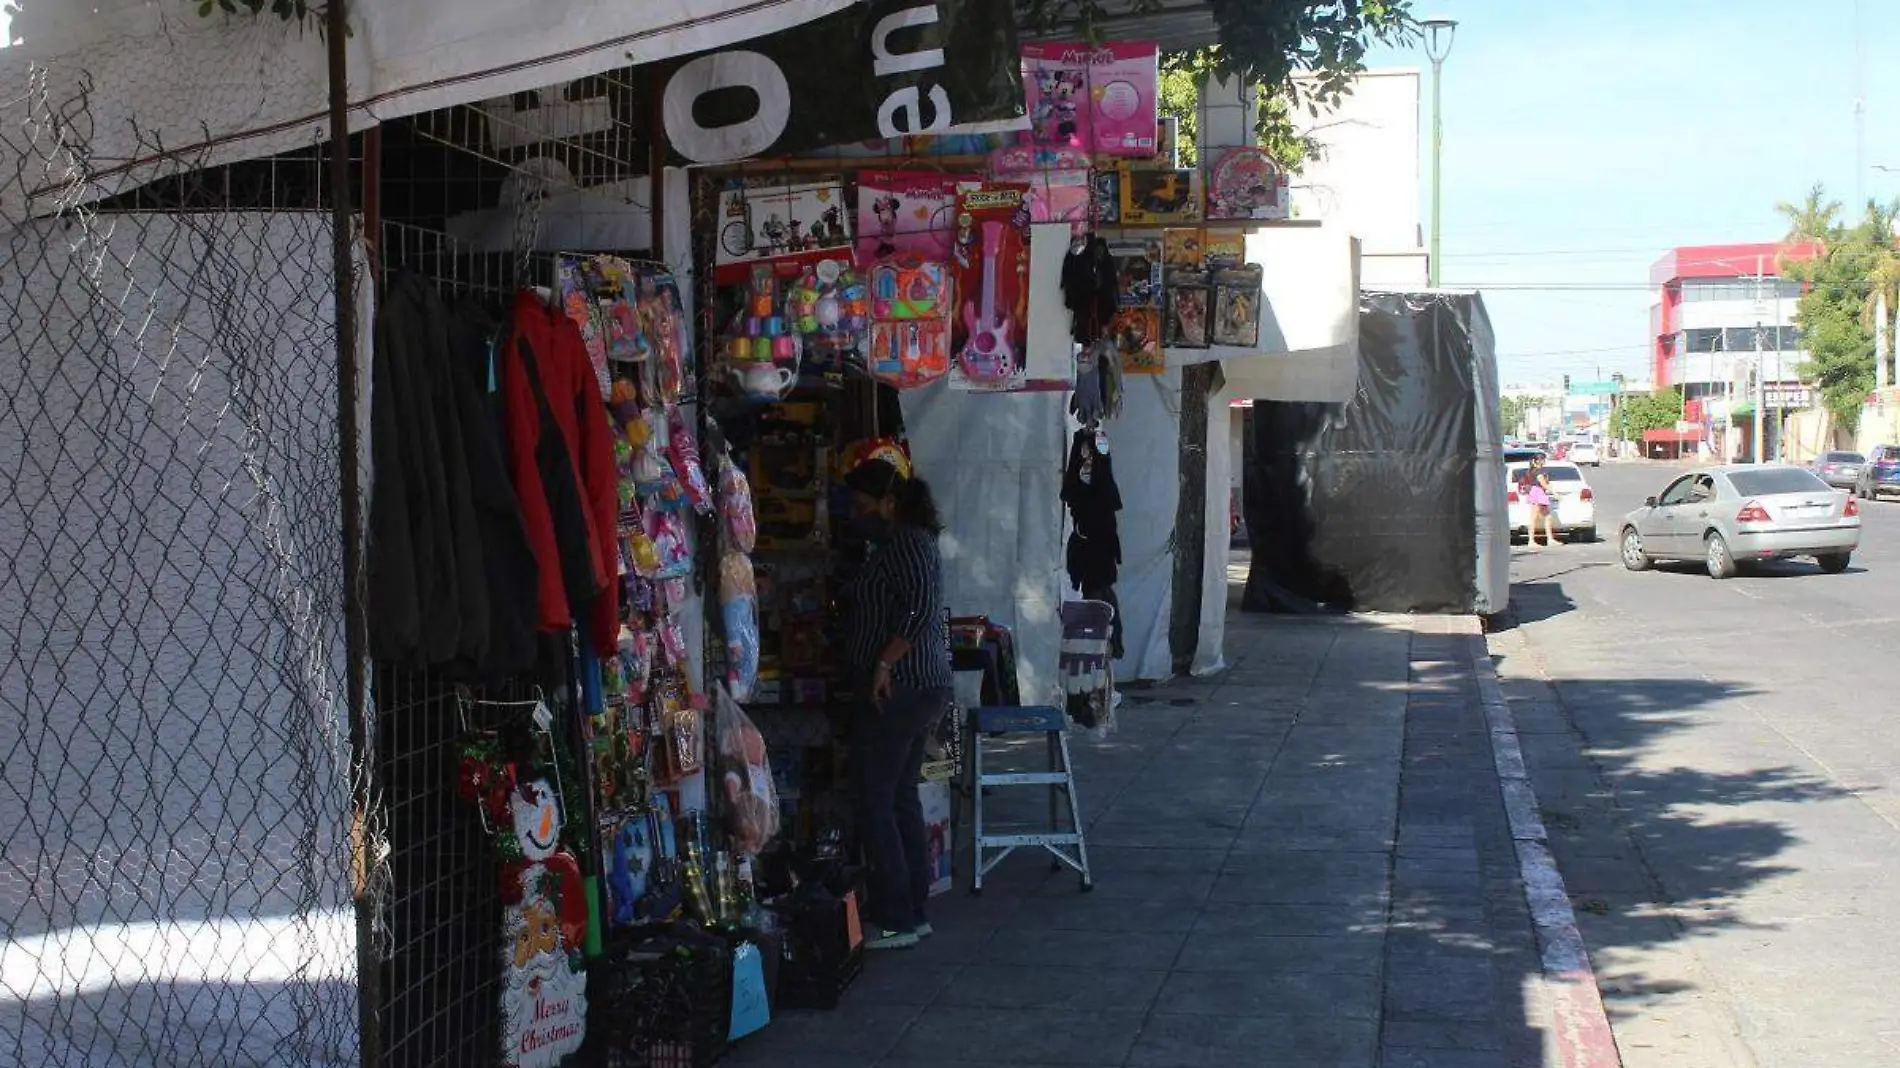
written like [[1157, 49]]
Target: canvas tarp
[[161, 79], [1390, 502]]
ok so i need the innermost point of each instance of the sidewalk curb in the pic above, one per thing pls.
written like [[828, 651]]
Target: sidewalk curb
[[1580, 1029]]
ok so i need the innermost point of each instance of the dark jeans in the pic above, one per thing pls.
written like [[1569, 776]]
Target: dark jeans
[[887, 756]]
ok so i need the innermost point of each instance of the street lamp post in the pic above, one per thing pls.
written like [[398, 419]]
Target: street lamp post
[[1438, 37]]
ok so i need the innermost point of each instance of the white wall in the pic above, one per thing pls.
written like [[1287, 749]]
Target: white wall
[[1367, 176]]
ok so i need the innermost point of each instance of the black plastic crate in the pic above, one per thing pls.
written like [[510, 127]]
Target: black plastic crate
[[662, 1002], [817, 960]]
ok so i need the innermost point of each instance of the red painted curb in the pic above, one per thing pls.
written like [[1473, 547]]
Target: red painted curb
[[1580, 1035]]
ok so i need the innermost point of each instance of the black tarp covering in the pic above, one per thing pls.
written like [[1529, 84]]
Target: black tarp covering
[[1369, 505]]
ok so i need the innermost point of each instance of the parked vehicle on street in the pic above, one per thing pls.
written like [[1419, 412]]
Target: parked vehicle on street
[[1880, 474], [1573, 502], [1584, 454], [1728, 517], [1840, 469]]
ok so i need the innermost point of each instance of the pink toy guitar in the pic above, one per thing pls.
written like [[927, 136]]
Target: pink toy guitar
[[986, 356]]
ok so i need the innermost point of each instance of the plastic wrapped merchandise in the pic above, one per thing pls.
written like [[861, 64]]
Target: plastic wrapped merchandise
[[739, 609], [736, 519], [752, 818]]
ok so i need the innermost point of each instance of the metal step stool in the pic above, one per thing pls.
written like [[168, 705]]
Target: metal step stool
[[1067, 846]]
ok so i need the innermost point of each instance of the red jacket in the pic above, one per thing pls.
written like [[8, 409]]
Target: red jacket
[[561, 452]]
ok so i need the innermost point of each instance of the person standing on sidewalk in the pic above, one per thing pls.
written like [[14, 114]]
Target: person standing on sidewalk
[[899, 653]]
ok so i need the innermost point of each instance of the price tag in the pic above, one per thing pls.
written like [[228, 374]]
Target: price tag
[[543, 718]]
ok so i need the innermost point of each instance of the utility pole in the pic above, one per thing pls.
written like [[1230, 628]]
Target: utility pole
[[1860, 111], [1436, 49], [1761, 367]]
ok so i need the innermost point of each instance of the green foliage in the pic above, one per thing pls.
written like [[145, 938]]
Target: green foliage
[[1645, 411], [1267, 43], [1835, 313], [1511, 411]]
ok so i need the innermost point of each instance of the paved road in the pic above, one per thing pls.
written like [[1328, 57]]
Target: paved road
[[1719, 768]]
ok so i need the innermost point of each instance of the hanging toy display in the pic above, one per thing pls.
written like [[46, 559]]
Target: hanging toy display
[[910, 322], [829, 308], [662, 319], [763, 352], [739, 525], [683, 451], [739, 609]]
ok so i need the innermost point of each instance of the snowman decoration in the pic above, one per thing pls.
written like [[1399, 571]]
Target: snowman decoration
[[544, 998]]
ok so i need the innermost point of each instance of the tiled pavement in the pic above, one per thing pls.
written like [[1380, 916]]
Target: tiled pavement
[[1301, 862]]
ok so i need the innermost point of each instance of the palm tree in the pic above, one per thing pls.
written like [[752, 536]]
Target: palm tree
[[1883, 275], [1814, 219]]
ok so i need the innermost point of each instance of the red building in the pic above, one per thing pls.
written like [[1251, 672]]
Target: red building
[[1720, 311]]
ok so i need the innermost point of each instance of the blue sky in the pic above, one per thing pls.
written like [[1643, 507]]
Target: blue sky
[[1584, 139]]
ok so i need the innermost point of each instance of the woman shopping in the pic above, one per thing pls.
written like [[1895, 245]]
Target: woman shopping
[[898, 648]]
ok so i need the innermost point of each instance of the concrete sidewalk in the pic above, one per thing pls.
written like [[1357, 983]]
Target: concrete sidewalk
[[1304, 861]]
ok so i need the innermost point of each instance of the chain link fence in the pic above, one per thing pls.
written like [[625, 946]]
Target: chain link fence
[[176, 870]]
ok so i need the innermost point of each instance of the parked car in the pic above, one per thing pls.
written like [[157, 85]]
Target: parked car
[[1730, 516], [1840, 469], [1574, 505], [1880, 474], [1584, 454]]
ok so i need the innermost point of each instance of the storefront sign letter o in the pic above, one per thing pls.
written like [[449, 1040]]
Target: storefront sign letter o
[[737, 140]]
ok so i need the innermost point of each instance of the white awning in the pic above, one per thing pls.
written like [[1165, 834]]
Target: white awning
[[157, 78], [1309, 320]]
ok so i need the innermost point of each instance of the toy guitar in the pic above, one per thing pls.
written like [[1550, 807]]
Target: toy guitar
[[986, 354]]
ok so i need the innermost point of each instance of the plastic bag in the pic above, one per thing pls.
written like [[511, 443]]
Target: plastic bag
[[739, 608], [752, 816], [735, 506]]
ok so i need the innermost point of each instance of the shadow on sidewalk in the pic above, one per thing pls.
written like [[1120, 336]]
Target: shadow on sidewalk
[[1304, 860]]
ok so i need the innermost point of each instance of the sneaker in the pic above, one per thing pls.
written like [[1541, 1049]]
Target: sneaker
[[891, 940], [923, 930]]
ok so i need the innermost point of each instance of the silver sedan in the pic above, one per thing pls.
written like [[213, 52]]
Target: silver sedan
[[1730, 516]]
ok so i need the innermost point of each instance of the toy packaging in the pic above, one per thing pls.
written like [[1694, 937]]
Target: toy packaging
[[1160, 198], [991, 263], [1058, 179], [1105, 198], [1167, 153], [1137, 336], [1137, 272], [1246, 183], [1185, 326], [763, 221], [1237, 306], [830, 308], [906, 214], [910, 322], [1223, 249], [1101, 99], [1181, 249], [763, 349]]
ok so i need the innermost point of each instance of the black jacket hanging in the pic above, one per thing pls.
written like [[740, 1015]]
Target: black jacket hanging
[[1088, 487]]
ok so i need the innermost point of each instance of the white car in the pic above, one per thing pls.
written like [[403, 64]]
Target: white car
[[1574, 506], [1585, 454]]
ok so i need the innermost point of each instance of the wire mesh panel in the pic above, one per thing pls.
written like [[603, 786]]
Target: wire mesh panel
[[176, 869]]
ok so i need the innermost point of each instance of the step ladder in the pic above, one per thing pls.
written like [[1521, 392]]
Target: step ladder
[[1064, 843]]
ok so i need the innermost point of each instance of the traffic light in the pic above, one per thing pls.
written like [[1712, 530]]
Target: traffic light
[[1566, 383]]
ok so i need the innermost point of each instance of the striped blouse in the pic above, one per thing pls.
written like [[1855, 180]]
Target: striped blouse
[[899, 593]]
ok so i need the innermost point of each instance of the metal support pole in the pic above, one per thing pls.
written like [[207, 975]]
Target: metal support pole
[[1761, 392], [355, 626], [1438, 144]]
